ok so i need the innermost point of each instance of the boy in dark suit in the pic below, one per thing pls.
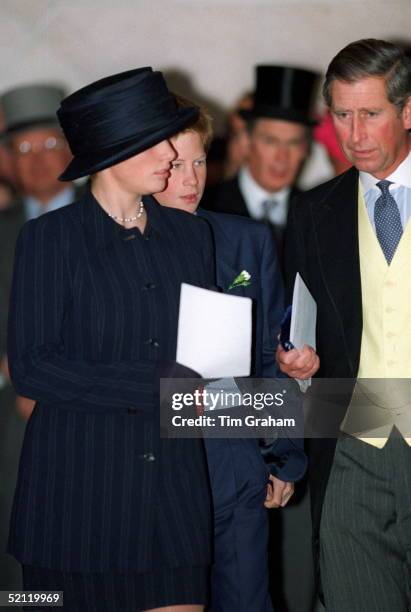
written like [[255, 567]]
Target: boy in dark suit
[[241, 483]]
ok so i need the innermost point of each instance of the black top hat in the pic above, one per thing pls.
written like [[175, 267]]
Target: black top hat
[[117, 117], [283, 93]]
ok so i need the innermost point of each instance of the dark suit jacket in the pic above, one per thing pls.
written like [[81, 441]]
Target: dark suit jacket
[[11, 221], [322, 244], [245, 244], [227, 198], [94, 312]]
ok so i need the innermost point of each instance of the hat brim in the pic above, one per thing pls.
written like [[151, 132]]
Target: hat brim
[[28, 126], [274, 112], [105, 158]]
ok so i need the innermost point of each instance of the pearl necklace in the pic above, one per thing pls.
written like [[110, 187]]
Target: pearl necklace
[[130, 219]]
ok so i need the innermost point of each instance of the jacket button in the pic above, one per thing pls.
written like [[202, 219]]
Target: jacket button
[[153, 342], [149, 286], [131, 410], [149, 457]]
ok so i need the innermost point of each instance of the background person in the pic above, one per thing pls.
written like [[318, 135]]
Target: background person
[[325, 134], [105, 510], [279, 125], [36, 153], [237, 137]]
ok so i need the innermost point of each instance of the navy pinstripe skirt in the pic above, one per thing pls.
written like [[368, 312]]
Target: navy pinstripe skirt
[[126, 592]]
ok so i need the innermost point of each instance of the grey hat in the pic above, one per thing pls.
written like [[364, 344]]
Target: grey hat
[[30, 106]]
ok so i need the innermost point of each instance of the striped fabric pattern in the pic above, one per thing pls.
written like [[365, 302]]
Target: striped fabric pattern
[[125, 592], [94, 313], [366, 528]]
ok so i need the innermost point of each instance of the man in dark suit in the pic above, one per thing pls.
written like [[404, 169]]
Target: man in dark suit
[[238, 474], [39, 154], [279, 132], [350, 239]]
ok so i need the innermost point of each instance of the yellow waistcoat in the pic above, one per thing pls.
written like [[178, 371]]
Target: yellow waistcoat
[[382, 395]]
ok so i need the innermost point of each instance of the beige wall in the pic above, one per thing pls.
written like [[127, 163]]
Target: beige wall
[[210, 46]]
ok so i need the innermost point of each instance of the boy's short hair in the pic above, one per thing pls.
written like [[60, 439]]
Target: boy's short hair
[[203, 125]]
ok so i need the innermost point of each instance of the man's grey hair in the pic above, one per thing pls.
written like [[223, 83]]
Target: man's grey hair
[[372, 58]]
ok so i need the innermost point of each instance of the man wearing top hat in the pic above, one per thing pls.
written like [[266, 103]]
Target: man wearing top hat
[[39, 154], [279, 131]]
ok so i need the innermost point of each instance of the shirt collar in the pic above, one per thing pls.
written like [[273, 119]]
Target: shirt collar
[[104, 231], [254, 194], [400, 176], [34, 208]]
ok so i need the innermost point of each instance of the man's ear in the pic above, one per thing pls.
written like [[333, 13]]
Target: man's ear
[[406, 114]]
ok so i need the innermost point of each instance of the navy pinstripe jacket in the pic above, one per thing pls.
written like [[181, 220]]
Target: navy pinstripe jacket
[[93, 312]]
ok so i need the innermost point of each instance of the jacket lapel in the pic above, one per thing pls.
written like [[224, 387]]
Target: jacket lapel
[[335, 222], [238, 205]]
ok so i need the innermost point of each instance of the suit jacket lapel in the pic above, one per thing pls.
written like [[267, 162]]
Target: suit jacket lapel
[[239, 205], [335, 221]]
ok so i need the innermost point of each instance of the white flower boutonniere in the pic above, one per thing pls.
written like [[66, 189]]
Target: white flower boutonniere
[[242, 280]]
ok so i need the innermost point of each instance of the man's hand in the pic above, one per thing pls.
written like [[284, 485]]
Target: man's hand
[[278, 493], [298, 363]]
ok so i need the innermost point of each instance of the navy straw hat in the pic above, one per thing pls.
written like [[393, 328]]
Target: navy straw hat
[[117, 117], [283, 93]]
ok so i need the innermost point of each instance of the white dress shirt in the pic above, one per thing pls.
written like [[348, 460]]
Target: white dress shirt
[[33, 208], [400, 190], [254, 196]]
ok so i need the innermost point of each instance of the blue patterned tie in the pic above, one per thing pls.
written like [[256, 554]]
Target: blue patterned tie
[[387, 221]]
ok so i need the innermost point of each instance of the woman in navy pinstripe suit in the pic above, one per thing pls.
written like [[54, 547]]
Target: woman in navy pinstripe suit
[[105, 510]]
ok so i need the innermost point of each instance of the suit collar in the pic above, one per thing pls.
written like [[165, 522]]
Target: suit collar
[[233, 198], [33, 208], [255, 196], [338, 189], [335, 226], [253, 192], [400, 176], [201, 212]]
